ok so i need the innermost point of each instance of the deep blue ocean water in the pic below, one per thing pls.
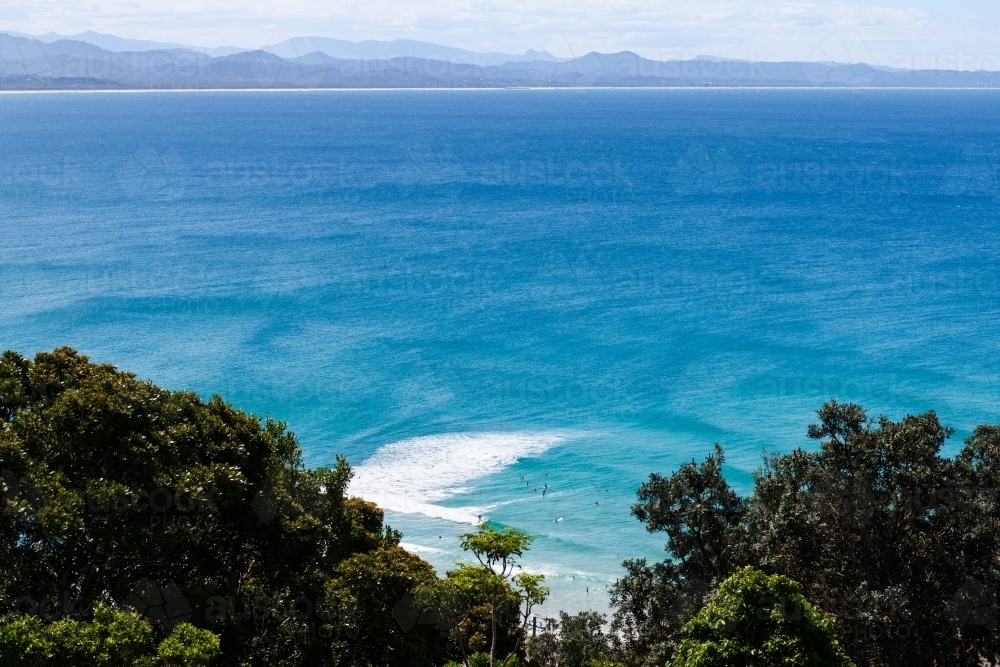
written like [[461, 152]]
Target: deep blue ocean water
[[474, 294]]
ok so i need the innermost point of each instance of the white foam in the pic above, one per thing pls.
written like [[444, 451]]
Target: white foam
[[421, 549], [410, 476]]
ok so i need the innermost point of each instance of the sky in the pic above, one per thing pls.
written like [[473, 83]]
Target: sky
[[953, 34]]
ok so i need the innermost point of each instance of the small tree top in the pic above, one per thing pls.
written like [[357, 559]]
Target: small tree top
[[497, 549]]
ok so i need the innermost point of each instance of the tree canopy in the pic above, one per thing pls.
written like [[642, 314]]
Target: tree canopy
[[119, 493], [756, 620], [111, 637], [900, 545], [150, 527]]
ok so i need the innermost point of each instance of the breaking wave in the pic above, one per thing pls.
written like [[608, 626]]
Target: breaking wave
[[411, 476]]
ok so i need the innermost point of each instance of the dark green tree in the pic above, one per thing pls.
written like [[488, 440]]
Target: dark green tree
[[899, 544], [704, 522], [883, 532], [368, 587], [121, 493], [484, 616]]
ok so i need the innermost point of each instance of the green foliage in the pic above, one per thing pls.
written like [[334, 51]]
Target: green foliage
[[24, 642], [531, 592], [479, 583], [756, 620], [885, 533], [482, 603], [704, 522], [369, 586], [112, 638], [497, 549], [118, 492], [483, 660], [478, 608], [572, 641], [188, 646], [479, 660], [699, 513], [896, 542], [115, 493]]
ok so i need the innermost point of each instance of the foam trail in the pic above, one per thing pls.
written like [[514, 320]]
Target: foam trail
[[411, 475], [421, 549]]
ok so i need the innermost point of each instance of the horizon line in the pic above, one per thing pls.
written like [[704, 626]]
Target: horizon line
[[853, 89]]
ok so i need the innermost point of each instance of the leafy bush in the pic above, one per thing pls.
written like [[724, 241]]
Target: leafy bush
[[113, 638], [188, 646], [756, 620]]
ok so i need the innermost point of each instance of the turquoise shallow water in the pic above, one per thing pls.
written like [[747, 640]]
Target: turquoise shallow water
[[474, 294]]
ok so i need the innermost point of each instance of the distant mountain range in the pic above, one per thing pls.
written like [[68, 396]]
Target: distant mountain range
[[121, 45], [95, 61], [300, 46]]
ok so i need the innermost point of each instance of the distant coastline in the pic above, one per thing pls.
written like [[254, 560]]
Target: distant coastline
[[442, 89], [29, 64]]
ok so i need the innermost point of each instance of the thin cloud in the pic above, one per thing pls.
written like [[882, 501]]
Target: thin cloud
[[783, 30]]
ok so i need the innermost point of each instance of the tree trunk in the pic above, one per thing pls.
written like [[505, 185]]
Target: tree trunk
[[461, 644], [493, 623]]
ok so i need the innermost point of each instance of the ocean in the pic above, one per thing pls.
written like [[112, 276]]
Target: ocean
[[481, 296]]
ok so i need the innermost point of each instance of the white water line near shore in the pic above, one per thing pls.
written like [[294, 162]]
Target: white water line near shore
[[412, 476]]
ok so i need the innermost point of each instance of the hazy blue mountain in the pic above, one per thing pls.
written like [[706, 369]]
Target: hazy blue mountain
[[27, 64], [120, 45], [300, 46], [399, 48]]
